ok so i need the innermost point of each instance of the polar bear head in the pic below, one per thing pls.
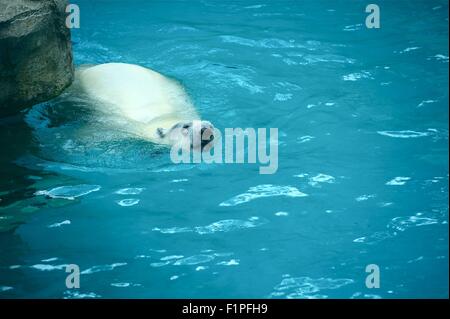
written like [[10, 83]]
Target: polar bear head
[[190, 135]]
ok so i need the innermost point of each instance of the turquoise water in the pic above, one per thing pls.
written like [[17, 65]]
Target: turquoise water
[[363, 132]]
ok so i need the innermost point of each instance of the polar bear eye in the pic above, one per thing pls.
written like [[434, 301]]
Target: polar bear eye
[[161, 132], [186, 126]]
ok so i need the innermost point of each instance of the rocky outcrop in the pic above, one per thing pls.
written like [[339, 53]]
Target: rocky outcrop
[[35, 53]]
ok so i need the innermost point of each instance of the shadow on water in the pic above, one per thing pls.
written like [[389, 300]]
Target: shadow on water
[[18, 183], [39, 146]]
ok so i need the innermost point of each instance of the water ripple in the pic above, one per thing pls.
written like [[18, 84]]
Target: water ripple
[[64, 222], [403, 134], [321, 178], [5, 288], [130, 191], [398, 181], [306, 287], [70, 294], [99, 268], [266, 190], [69, 192], [263, 43], [225, 225], [128, 202], [400, 224]]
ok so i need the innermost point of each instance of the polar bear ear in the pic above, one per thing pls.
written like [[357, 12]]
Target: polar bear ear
[[161, 132]]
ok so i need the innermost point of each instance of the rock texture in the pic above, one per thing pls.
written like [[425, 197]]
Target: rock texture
[[35, 53]]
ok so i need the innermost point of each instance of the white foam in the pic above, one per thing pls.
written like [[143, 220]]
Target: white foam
[[304, 139], [256, 6], [128, 202], [69, 192], [441, 57], [289, 61], [223, 254], [194, 260], [306, 287], [409, 49], [260, 191], [121, 284], [172, 230], [263, 43], [385, 204], [367, 296], [352, 27], [171, 257], [160, 264], [5, 288], [179, 180], [49, 259], [415, 260], [70, 294], [158, 250], [308, 59], [281, 214], [64, 222], [364, 197], [403, 223], [426, 102], [398, 181], [100, 268], [175, 28], [398, 224], [225, 225], [231, 262], [142, 257], [357, 76], [288, 85], [199, 268], [46, 267], [321, 178], [282, 97], [245, 83], [130, 191], [403, 134]]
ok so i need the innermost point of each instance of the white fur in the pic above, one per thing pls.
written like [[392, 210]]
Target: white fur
[[148, 99]]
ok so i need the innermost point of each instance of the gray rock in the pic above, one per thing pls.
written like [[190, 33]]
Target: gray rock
[[35, 53]]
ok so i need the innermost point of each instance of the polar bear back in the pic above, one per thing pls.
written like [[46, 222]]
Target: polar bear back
[[138, 93]]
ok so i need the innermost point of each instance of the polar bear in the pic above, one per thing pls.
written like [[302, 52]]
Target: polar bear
[[157, 108]]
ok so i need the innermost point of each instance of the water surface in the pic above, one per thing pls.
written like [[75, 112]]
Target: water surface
[[363, 136]]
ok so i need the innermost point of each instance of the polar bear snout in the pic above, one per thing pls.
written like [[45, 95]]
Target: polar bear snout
[[196, 135], [202, 135], [207, 137]]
